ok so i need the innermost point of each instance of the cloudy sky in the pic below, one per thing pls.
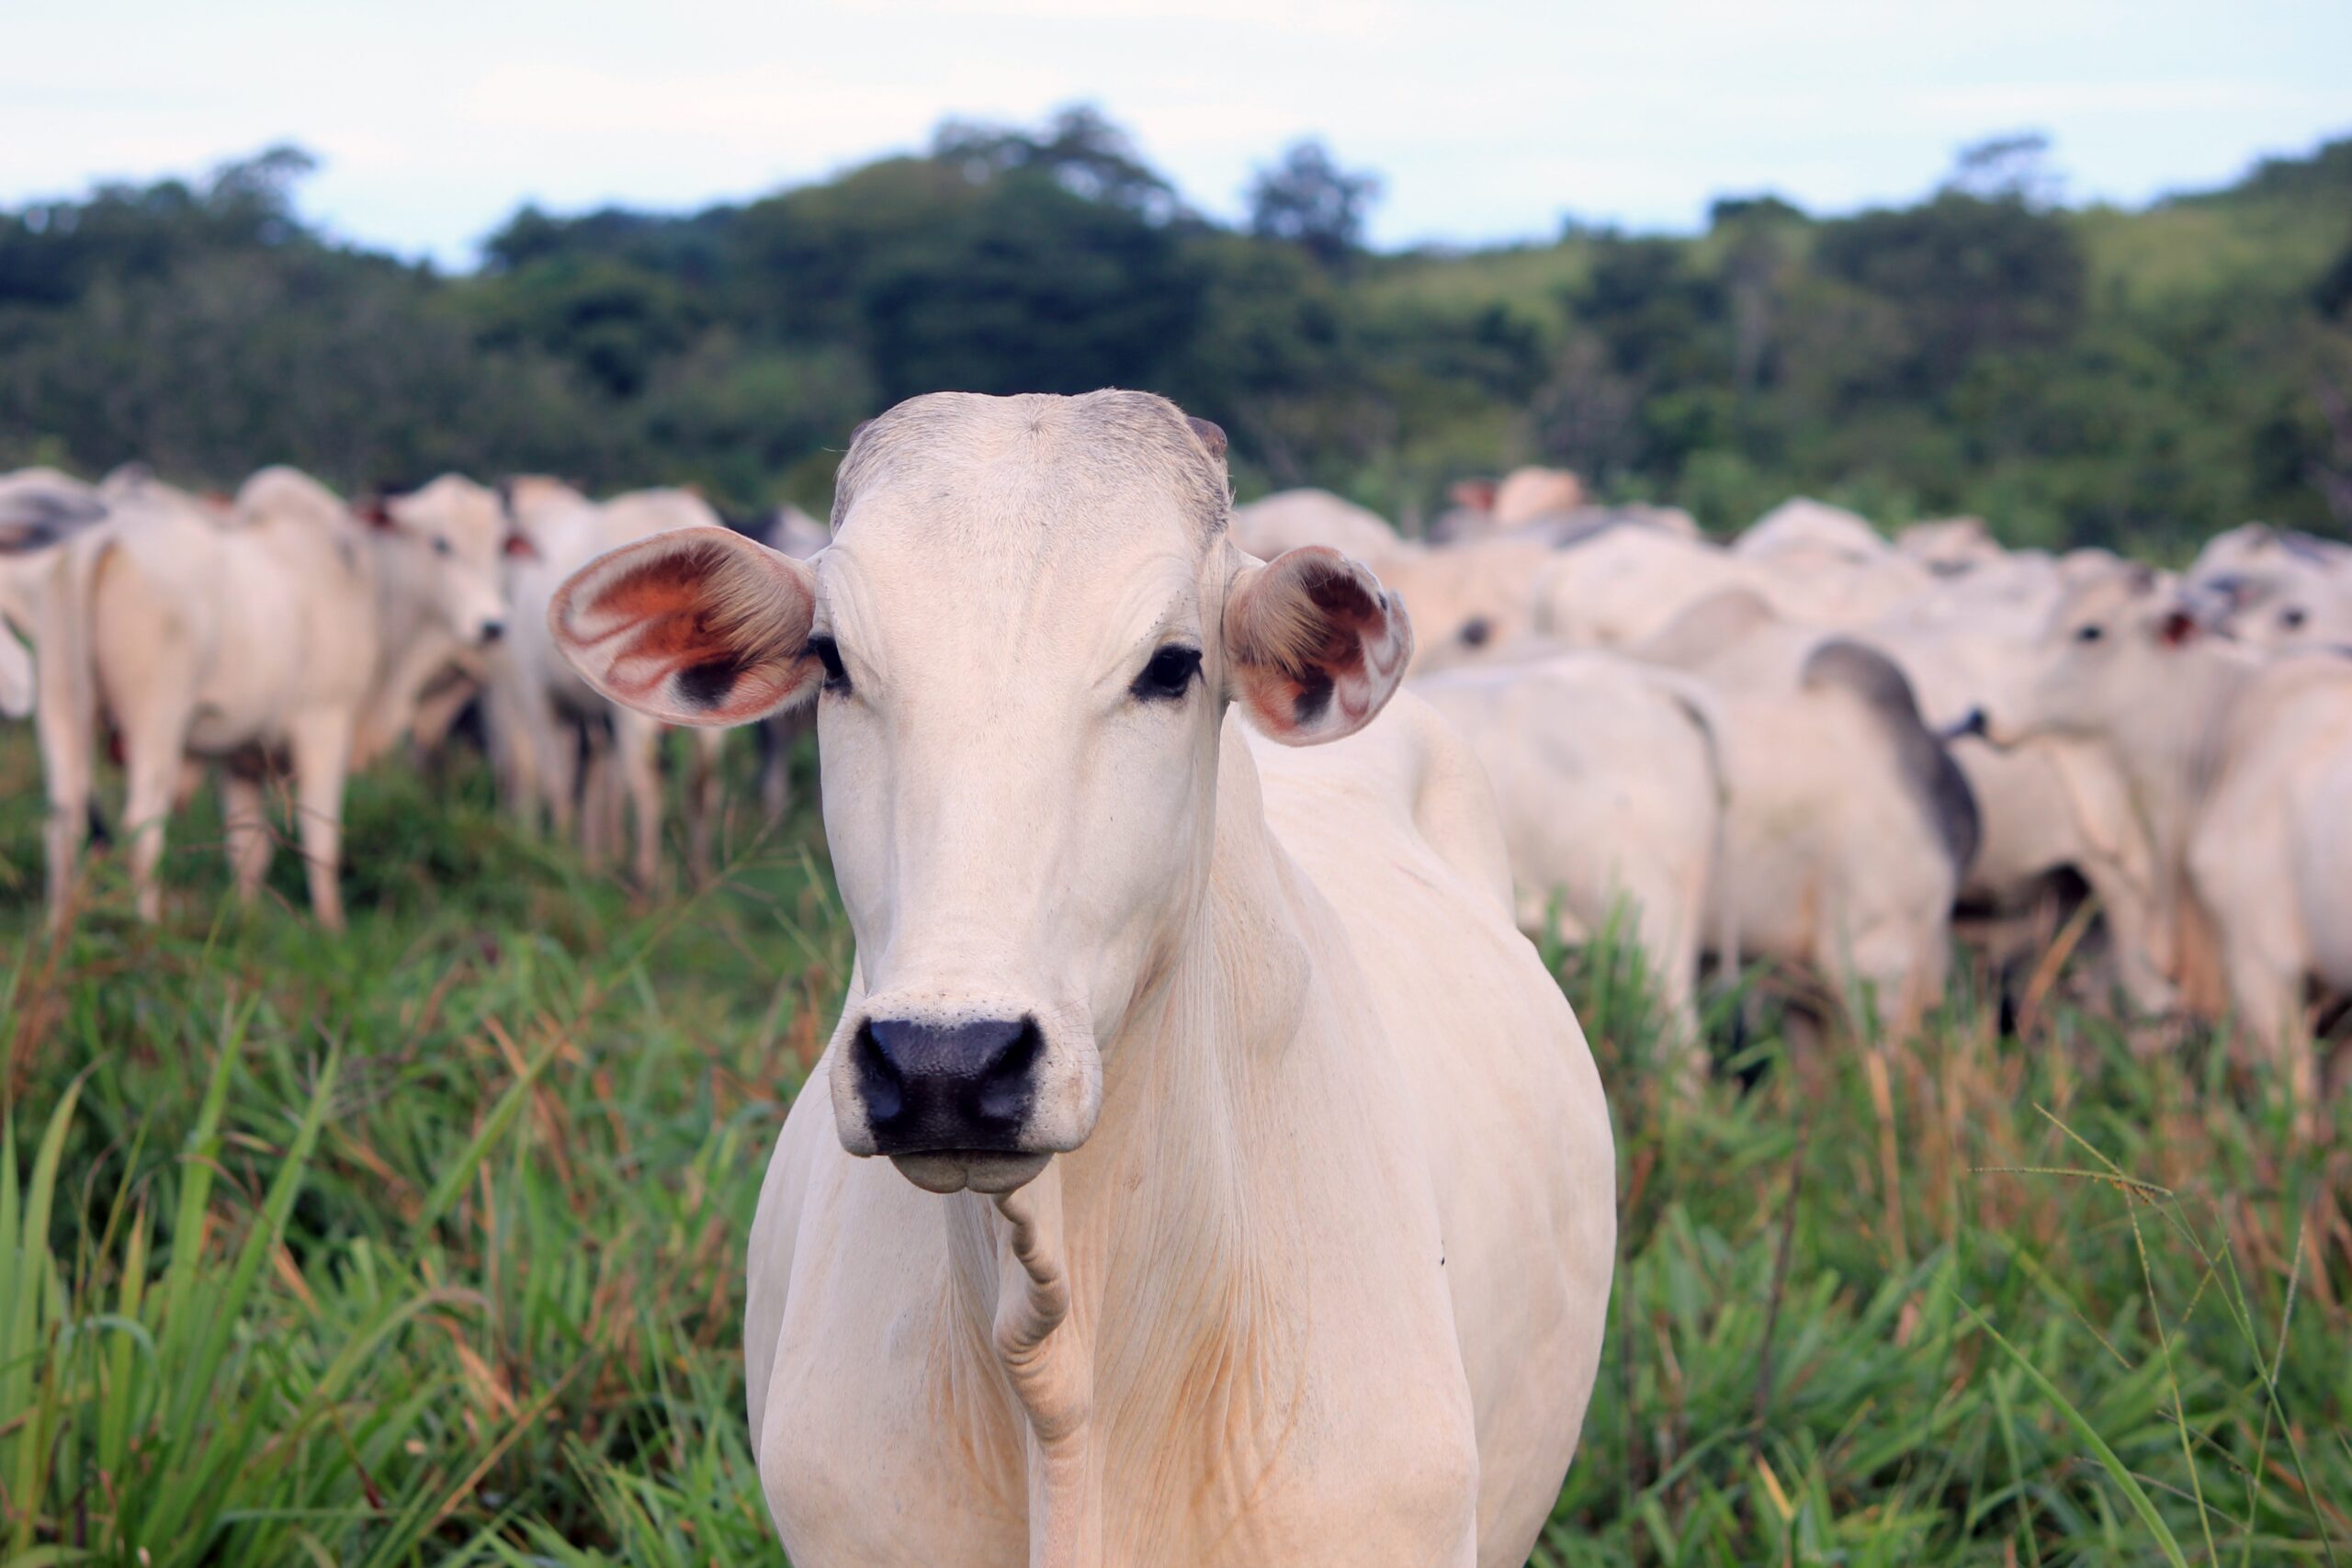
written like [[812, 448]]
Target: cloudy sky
[[1489, 118]]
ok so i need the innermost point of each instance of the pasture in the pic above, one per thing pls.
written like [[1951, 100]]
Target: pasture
[[424, 1244]]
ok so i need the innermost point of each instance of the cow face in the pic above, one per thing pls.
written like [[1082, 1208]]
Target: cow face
[[1022, 642], [455, 537], [2102, 660]]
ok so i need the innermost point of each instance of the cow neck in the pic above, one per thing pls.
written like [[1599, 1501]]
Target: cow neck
[[2173, 749], [1138, 1280], [394, 582]]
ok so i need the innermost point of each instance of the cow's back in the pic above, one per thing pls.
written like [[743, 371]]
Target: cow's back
[[1516, 1130]]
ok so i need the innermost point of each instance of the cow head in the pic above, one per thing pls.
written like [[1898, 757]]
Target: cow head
[[1022, 643], [2103, 661], [454, 536]]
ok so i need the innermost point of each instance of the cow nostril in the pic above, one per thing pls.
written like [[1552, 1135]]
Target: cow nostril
[[879, 1082], [942, 1087], [493, 630]]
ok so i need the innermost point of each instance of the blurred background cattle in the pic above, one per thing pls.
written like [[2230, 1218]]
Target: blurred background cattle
[[1897, 582]]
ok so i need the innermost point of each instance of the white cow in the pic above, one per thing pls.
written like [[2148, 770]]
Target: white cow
[[2280, 592], [2240, 767], [1849, 828], [1611, 795], [2056, 803], [235, 641], [40, 509], [1254, 1192], [1290, 519], [541, 712]]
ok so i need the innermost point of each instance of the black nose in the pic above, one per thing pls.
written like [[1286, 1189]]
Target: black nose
[[932, 1088], [493, 630]]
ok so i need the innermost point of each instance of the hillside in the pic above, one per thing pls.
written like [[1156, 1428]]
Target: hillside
[[2095, 375]]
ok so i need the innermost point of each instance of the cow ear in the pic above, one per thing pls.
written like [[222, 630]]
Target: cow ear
[[696, 626], [2176, 625], [1315, 646], [519, 545]]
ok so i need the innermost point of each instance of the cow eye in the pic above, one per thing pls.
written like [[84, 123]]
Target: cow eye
[[828, 653], [2292, 617], [2091, 633], [440, 545], [1168, 675]]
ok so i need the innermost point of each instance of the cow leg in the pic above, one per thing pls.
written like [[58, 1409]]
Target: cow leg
[[2266, 992], [322, 744], [151, 759], [2132, 938], [599, 800], [65, 770], [637, 744], [244, 825]]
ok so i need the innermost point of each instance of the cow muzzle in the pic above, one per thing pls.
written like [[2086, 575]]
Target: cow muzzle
[[953, 1104]]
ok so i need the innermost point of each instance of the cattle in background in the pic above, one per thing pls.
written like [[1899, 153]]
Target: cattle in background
[[1951, 546], [466, 538], [2275, 589], [39, 510], [2055, 804], [565, 755], [1253, 1084], [1849, 827], [1611, 795], [1289, 519], [2240, 767], [236, 642]]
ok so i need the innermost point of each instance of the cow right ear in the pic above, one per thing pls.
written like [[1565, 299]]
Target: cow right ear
[[696, 626]]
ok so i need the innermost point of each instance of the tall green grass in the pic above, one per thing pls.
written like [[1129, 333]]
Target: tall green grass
[[424, 1245]]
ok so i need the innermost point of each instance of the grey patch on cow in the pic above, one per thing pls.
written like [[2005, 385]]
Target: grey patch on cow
[[34, 517], [1934, 779]]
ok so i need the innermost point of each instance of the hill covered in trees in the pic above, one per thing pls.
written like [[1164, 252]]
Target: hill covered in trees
[[2073, 374]]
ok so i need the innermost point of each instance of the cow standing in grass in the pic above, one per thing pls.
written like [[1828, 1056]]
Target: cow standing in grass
[[1254, 1198], [240, 640]]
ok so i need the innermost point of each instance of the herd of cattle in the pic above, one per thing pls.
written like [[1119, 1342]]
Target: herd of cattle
[[1811, 745], [1279, 1214], [284, 630], [1818, 746]]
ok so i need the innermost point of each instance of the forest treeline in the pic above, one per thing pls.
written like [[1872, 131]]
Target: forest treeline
[[2072, 375]]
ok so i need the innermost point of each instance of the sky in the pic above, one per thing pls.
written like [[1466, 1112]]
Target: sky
[[1487, 119]]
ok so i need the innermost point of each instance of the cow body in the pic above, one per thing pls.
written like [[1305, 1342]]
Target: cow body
[[1254, 1191], [242, 641], [1612, 793], [1849, 828]]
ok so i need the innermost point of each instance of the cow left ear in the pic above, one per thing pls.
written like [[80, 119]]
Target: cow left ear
[[695, 626], [1313, 644]]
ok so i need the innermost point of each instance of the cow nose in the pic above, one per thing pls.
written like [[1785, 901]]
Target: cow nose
[[932, 1088], [493, 630]]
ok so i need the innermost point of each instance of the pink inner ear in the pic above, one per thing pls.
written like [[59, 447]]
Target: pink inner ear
[[2180, 626], [659, 607]]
